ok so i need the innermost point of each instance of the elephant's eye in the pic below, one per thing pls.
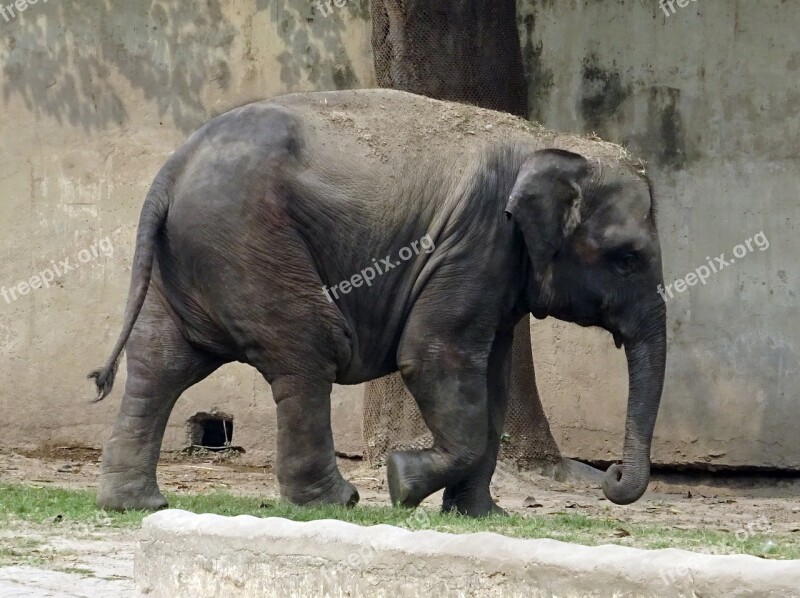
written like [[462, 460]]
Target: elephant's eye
[[626, 262]]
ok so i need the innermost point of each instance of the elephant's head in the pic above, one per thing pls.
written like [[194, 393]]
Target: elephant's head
[[595, 260]]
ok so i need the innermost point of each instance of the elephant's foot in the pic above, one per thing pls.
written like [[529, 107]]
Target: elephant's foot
[[406, 485], [333, 491], [470, 502], [123, 492]]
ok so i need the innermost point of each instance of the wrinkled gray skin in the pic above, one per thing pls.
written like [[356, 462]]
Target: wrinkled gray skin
[[264, 205]]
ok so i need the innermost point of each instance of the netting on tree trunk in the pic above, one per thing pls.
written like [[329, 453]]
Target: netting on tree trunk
[[392, 420], [527, 440], [467, 51]]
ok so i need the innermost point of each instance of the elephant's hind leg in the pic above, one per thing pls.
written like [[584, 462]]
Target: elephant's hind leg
[[161, 365], [306, 464]]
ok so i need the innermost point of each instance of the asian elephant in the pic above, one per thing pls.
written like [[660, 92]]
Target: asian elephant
[[337, 237]]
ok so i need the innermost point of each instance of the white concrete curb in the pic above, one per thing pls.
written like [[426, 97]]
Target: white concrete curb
[[184, 554]]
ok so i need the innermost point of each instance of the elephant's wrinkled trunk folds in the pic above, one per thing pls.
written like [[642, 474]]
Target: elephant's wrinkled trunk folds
[[626, 482]]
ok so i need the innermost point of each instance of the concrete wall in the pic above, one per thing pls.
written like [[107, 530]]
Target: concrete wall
[[709, 96], [95, 98]]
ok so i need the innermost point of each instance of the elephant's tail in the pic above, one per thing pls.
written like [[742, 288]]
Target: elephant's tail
[[151, 221]]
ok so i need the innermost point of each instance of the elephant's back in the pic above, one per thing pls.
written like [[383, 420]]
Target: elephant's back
[[382, 133], [392, 127]]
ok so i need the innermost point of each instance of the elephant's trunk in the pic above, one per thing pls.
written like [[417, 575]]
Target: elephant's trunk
[[626, 482]]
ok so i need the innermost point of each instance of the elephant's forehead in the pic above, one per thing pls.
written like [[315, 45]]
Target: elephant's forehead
[[631, 232], [624, 216]]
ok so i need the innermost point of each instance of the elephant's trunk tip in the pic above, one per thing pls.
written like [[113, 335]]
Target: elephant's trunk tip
[[622, 487]]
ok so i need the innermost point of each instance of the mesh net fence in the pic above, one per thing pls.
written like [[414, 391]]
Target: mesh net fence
[[467, 51]]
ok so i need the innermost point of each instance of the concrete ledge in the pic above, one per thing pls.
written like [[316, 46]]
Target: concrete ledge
[[184, 554]]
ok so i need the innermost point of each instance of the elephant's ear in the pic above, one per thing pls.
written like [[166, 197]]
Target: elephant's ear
[[546, 202]]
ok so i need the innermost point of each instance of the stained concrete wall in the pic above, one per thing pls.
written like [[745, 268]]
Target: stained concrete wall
[[96, 94], [709, 96]]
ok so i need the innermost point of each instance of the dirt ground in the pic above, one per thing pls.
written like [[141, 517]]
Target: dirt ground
[[91, 563], [685, 501]]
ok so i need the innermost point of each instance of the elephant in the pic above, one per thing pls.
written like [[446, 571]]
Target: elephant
[[336, 237]]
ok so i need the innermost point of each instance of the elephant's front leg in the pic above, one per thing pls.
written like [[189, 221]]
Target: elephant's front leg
[[471, 496], [447, 377]]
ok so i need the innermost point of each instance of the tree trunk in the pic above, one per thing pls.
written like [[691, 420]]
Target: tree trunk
[[460, 50], [466, 51]]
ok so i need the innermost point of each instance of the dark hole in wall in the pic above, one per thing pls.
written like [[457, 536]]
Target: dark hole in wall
[[210, 430]]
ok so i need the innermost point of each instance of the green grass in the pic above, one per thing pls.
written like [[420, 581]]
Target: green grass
[[83, 572], [27, 551], [20, 550], [43, 505]]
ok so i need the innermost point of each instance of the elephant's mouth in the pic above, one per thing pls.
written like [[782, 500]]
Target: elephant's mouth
[[618, 342]]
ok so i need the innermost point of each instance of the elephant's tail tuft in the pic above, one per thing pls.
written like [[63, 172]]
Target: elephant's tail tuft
[[151, 221], [104, 380]]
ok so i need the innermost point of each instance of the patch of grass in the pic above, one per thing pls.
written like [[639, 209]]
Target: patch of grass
[[13, 556], [23, 551], [76, 570], [44, 504]]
